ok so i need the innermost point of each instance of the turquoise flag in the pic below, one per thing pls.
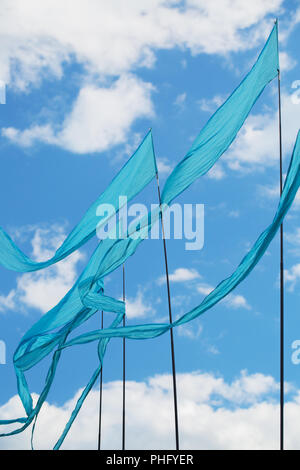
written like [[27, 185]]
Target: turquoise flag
[[87, 296], [210, 144], [73, 309], [291, 186], [147, 331], [29, 356], [138, 171], [222, 128]]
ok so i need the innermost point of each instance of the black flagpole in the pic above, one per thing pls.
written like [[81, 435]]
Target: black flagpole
[[170, 318], [100, 397], [123, 411], [281, 280]]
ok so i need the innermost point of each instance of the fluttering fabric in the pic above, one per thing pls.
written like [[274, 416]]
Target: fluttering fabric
[[147, 331], [54, 327], [138, 171], [87, 295], [212, 141], [291, 186], [222, 128]]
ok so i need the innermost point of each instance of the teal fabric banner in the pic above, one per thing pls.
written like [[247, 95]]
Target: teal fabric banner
[[212, 141], [144, 331], [139, 170], [87, 295], [147, 331], [53, 328], [222, 128]]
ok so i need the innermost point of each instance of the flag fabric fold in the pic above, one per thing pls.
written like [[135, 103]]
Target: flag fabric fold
[[212, 141], [87, 295], [222, 128], [137, 172], [248, 263], [291, 186]]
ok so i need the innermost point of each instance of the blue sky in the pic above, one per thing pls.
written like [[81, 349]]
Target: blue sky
[[84, 82]]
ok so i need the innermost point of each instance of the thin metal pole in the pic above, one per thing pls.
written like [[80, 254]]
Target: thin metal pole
[[171, 321], [281, 293], [100, 397], [281, 280], [123, 412]]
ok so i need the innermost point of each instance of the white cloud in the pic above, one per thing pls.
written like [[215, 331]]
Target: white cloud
[[204, 289], [190, 331], [237, 301], [294, 238], [181, 275], [269, 191], [100, 118], [110, 41], [179, 300], [7, 302], [129, 147], [211, 105], [272, 192], [213, 414], [292, 276], [184, 63], [216, 172], [257, 144], [180, 100], [111, 38], [42, 290], [234, 214], [212, 349], [163, 166], [286, 61], [27, 137], [234, 301], [137, 307]]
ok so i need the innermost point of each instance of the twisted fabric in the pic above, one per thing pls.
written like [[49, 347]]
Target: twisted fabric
[[87, 295]]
